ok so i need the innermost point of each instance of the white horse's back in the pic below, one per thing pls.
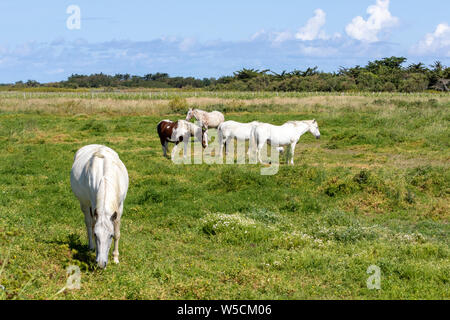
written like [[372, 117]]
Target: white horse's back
[[276, 135], [230, 129], [89, 167], [236, 129], [211, 119]]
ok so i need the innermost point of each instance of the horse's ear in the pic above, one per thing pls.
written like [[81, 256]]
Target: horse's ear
[[314, 120], [114, 216]]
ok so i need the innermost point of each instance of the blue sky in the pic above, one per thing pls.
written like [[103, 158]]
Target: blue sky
[[212, 38]]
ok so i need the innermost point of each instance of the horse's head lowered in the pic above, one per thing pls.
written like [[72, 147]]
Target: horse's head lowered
[[204, 135], [104, 233], [190, 114], [314, 129]]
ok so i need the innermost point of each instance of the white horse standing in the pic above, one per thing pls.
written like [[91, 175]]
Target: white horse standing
[[287, 134], [229, 130], [99, 180], [209, 119]]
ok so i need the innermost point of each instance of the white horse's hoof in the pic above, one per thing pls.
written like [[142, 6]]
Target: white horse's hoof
[[116, 260]]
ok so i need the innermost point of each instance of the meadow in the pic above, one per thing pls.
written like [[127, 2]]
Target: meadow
[[374, 190]]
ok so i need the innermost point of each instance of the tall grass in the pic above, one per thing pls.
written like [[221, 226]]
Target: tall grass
[[171, 94]]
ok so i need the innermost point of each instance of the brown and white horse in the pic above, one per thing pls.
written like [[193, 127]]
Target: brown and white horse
[[209, 119], [180, 131]]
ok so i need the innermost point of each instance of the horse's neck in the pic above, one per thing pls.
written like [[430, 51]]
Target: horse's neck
[[199, 114], [303, 128]]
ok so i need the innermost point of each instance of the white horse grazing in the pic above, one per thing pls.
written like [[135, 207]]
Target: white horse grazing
[[229, 130], [209, 119], [180, 131], [287, 134], [99, 180]]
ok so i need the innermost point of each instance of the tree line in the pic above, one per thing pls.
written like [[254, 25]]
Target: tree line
[[387, 74]]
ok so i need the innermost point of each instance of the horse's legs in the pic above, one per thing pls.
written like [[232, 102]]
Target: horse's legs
[[185, 148], [89, 224], [227, 144], [117, 235], [164, 147], [292, 152], [259, 148], [287, 153], [220, 142], [174, 150]]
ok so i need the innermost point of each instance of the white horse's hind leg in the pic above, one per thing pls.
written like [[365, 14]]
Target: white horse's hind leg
[[220, 143], [287, 153], [228, 140], [259, 148], [292, 152]]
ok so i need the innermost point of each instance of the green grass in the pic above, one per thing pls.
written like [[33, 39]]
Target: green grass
[[374, 190]]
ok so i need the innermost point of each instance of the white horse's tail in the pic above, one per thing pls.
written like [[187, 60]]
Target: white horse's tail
[[104, 193], [220, 137], [220, 134]]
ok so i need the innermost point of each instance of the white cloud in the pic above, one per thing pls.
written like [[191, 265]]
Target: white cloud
[[379, 19], [187, 44], [282, 36], [259, 34], [312, 29], [52, 61], [436, 42], [325, 51]]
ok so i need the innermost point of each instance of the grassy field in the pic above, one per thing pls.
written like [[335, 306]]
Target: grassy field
[[374, 190]]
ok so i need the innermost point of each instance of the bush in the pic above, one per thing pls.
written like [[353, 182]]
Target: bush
[[414, 82], [178, 105], [389, 87], [336, 186]]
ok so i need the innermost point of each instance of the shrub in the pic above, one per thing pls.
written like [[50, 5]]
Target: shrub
[[415, 82], [178, 105], [337, 186]]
